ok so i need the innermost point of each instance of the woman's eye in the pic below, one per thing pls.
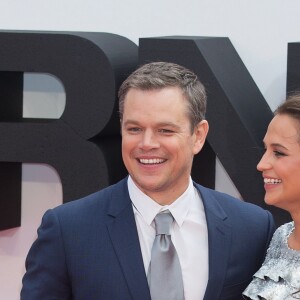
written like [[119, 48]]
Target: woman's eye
[[278, 153]]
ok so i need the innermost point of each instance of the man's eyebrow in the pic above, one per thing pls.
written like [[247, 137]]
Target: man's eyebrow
[[130, 122], [159, 124], [168, 124]]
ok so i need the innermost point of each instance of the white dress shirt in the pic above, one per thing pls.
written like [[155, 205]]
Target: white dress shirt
[[189, 235]]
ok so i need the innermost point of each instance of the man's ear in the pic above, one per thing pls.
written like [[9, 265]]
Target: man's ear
[[200, 133], [121, 126]]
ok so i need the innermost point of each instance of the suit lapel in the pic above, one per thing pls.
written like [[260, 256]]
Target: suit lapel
[[219, 243], [123, 232]]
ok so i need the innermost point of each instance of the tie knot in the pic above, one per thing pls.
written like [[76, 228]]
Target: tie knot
[[163, 222]]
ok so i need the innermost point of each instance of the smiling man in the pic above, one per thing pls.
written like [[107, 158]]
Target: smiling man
[[156, 234], [159, 143]]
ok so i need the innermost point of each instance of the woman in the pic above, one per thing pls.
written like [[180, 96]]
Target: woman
[[279, 276]]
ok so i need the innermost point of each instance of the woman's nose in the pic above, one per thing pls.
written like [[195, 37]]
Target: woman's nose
[[264, 163]]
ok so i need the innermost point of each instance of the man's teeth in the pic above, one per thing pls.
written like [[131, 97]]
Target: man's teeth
[[271, 181], [151, 161]]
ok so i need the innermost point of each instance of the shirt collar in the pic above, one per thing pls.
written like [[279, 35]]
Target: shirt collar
[[148, 208]]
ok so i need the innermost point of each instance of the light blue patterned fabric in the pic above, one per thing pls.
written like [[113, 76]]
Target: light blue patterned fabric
[[279, 276]]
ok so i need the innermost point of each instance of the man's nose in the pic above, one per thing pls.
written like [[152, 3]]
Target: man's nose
[[149, 140]]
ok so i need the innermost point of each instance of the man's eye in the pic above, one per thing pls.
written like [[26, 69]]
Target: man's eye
[[166, 131], [134, 129]]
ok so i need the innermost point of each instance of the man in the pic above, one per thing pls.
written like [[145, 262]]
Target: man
[[104, 246]]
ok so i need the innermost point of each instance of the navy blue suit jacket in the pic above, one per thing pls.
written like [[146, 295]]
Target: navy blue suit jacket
[[89, 249]]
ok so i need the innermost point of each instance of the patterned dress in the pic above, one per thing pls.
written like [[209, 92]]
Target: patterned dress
[[279, 276]]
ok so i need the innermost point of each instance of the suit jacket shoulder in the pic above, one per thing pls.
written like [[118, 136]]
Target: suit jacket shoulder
[[111, 199], [227, 206]]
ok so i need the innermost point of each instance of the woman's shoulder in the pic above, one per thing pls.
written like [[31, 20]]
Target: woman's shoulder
[[278, 278], [282, 233], [286, 228]]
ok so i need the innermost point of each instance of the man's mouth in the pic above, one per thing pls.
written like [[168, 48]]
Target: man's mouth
[[151, 161]]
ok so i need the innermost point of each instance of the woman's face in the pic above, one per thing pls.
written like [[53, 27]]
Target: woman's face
[[280, 164]]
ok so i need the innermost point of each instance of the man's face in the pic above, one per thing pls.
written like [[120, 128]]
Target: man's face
[[157, 143]]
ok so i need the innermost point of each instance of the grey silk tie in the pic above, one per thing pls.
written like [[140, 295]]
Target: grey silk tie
[[164, 275]]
